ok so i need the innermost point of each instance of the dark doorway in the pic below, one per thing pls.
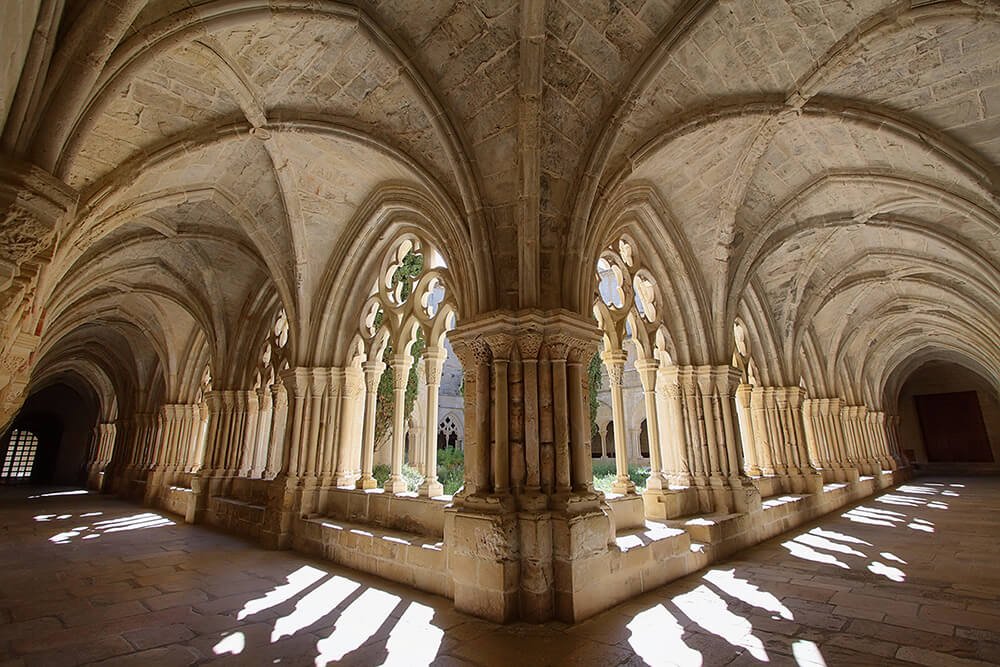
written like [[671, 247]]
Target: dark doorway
[[61, 421], [953, 428]]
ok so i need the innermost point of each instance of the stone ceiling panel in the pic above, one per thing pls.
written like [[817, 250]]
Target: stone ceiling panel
[[181, 90], [740, 50], [332, 67], [946, 73]]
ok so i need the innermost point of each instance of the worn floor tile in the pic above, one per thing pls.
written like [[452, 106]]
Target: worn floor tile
[[845, 590]]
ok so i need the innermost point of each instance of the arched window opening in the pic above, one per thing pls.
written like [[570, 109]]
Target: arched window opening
[[261, 456], [412, 377], [448, 433], [627, 309], [19, 458]]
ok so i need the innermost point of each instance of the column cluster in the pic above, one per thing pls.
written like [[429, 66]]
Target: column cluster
[[527, 422], [320, 399], [180, 433], [774, 437], [104, 443], [698, 429], [239, 436], [851, 439]]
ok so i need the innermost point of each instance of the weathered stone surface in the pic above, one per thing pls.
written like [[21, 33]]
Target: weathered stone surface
[[255, 239]]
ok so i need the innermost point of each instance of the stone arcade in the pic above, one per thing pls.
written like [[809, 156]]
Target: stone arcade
[[225, 221]]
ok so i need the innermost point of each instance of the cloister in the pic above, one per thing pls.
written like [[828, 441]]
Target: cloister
[[744, 252]]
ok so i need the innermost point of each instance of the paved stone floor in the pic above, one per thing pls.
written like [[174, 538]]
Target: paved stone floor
[[912, 576]]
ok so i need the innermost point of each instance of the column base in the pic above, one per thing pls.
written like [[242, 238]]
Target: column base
[[623, 488], [484, 565], [395, 485], [366, 482], [283, 499], [669, 503], [431, 489]]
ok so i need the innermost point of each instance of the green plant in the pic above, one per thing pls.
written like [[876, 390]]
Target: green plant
[[451, 469], [605, 474], [407, 273], [412, 477], [604, 468], [381, 473], [594, 387]]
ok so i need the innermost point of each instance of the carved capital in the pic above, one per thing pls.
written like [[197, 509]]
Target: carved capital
[[318, 382], [357, 383], [500, 345], [529, 346]]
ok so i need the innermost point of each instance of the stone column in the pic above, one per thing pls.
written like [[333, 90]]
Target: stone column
[[648, 370], [314, 419], [673, 430], [265, 413], [200, 438], [500, 347], [372, 374], [401, 373], [433, 359], [248, 444], [346, 407], [529, 347], [329, 429], [578, 390], [761, 433], [743, 416], [279, 422], [614, 362], [297, 380]]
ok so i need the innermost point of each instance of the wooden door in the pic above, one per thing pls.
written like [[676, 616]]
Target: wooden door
[[953, 428]]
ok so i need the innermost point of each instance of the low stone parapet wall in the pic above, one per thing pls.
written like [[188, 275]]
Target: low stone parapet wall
[[415, 560]]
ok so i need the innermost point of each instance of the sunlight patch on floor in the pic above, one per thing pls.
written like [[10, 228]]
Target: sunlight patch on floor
[[741, 589], [298, 581], [707, 609], [658, 638], [233, 643], [414, 640], [357, 624], [98, 528], [807, 654], [314, 606]]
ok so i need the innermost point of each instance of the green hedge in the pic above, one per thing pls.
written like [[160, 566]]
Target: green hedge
[[605, 474]]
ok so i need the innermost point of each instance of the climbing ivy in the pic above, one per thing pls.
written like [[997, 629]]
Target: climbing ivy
[[408, 271], [594, 381]]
